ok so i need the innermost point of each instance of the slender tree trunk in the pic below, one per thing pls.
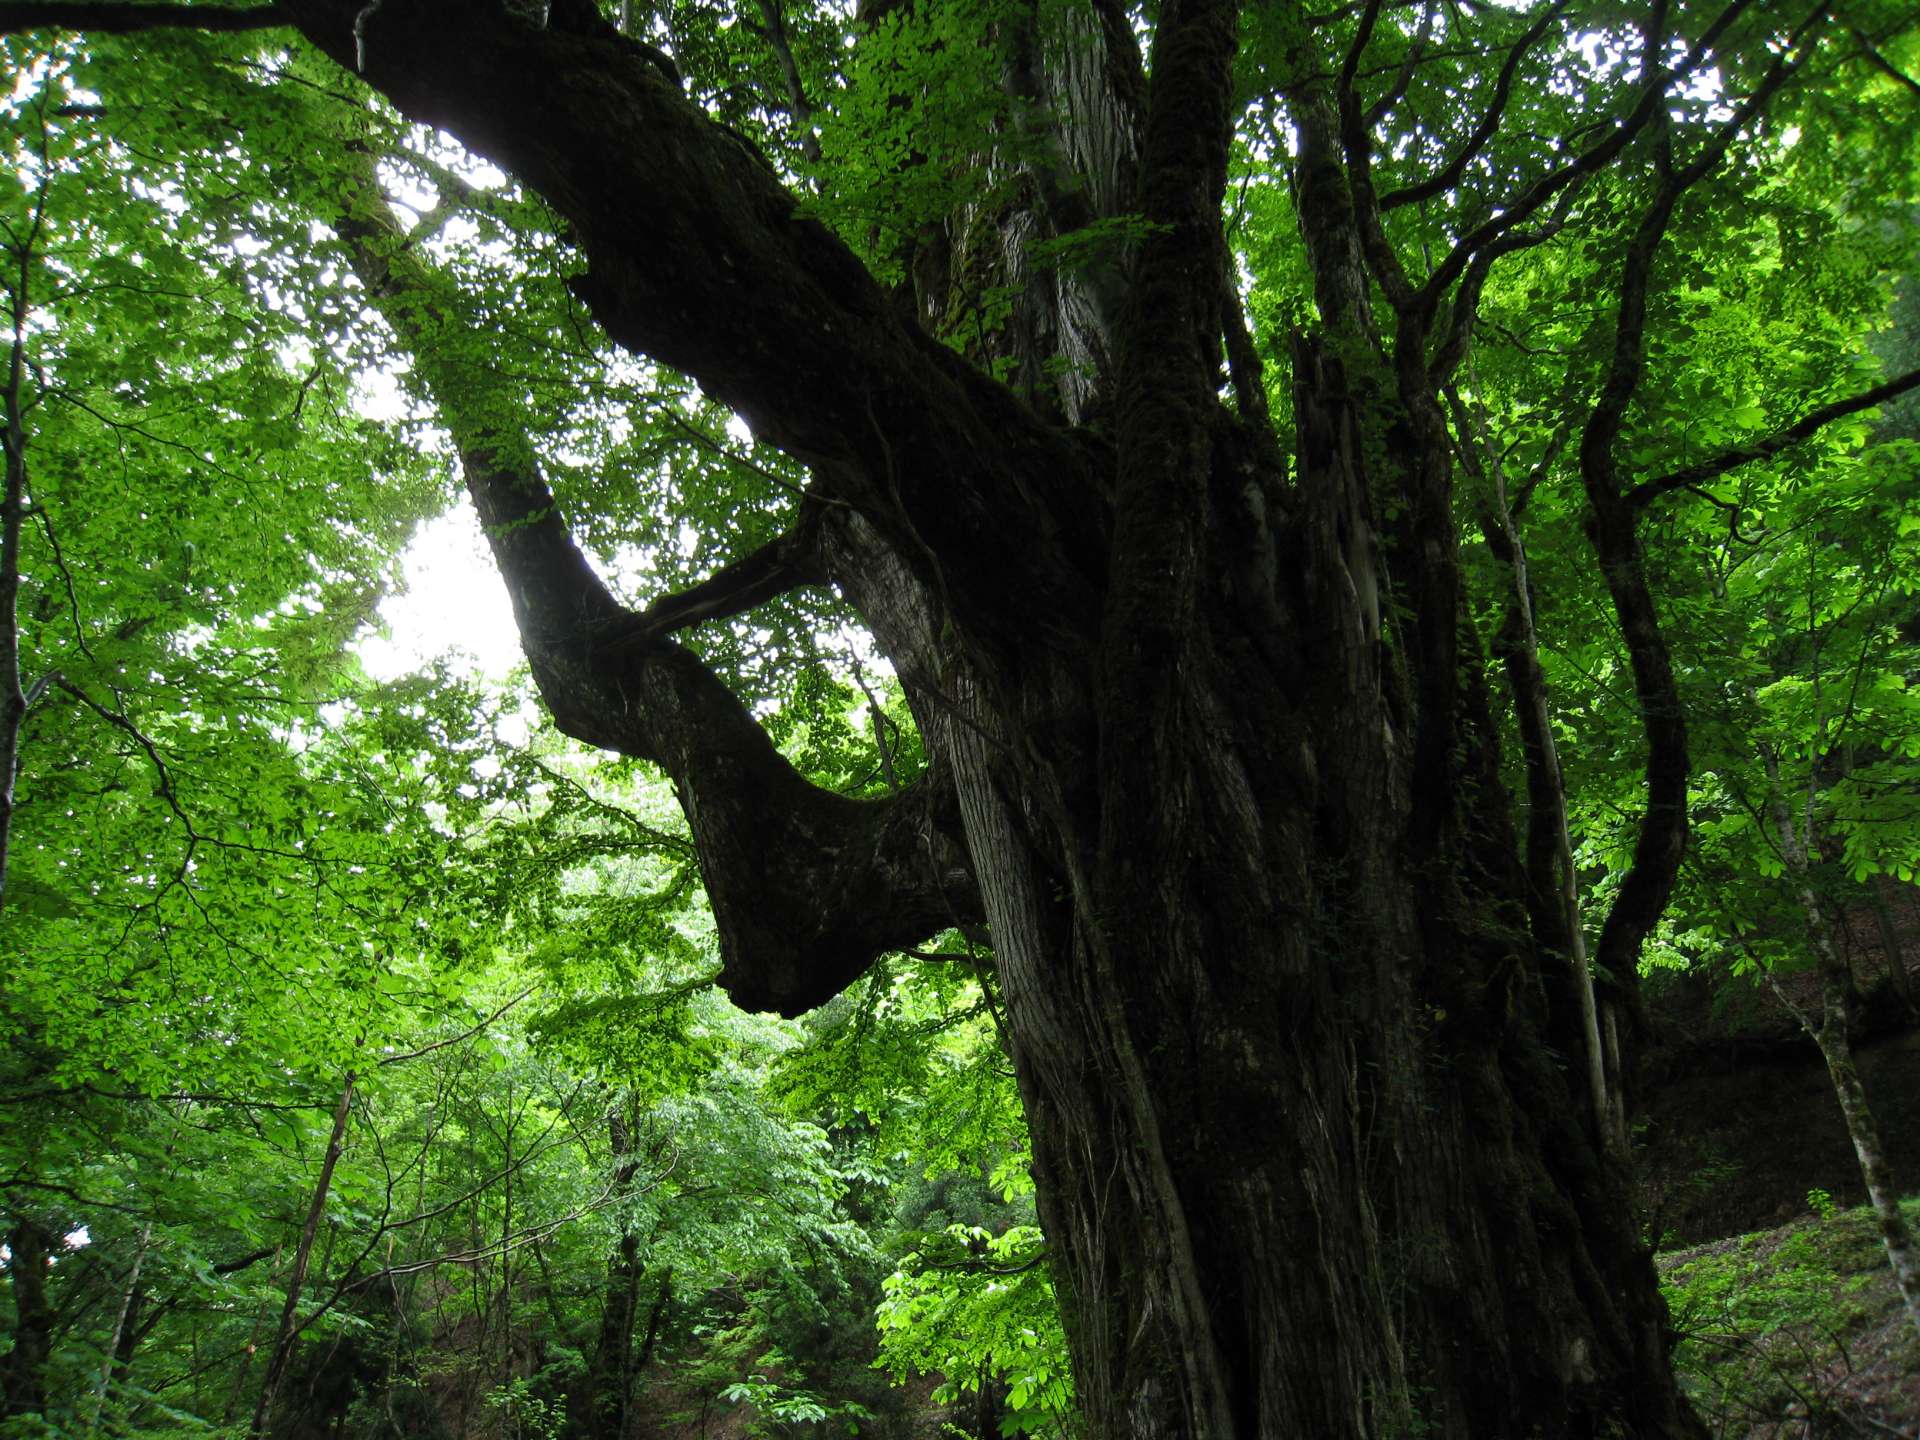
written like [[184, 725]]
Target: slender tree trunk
[[296, 1278], [134, 1328], [23, 1371], [506, 1241], [656, 1318], [1833, 1034], [598, 1410], [13, 509], [1552, 878], [253, 1346], [122, 1335], [1896, 1236]]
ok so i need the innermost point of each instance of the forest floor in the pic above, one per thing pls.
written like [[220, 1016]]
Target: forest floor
[[1743, 1122], [1797, 1331]]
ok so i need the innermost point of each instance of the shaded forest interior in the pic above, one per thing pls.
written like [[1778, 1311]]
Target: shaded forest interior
[[1216, 728]]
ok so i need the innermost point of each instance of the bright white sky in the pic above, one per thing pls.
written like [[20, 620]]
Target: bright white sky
[[454, 600], [451, 599]]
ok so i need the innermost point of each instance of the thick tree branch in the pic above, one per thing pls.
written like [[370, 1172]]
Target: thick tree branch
[[1325, 203], [1465, 308], [807, 886], [1170, 425], [1872, 55], [699, 258], [109, 17], [1403, 77], [776, 568], [1169, 350], [1690, 476], [1065, 196], [1382, 259], [1612, 528]]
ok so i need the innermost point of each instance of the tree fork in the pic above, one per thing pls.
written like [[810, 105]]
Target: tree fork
[[697, 257], [1195, 862], [807, 885]]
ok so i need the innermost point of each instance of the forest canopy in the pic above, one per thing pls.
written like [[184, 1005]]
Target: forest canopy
[[1150, 631]]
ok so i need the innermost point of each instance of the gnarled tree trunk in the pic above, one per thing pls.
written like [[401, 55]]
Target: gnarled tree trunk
[[1276, 1009]]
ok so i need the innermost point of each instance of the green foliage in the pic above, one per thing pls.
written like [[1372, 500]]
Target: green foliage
[[1783, 584], [903, 144], [771, 1403], [977, 1307], [524, 1415], [1769, 1323], [242, 872]]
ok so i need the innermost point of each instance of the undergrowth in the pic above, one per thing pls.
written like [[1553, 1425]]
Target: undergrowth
[[1796, 1332]]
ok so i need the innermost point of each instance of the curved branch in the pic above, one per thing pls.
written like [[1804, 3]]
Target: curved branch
[[807, 886], [1403, 77], [1382, 259], [1691, 476], [698, 257], [1594, 158], [1612, 529], [1449, 174], [774, 29], [1465, 309], [1874, 57], [1628, 361]]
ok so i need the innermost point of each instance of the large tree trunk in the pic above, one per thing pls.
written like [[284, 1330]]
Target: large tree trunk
[[1305, 1162], [1303, 1159]]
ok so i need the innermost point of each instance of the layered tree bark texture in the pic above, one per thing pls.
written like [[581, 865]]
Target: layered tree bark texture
[[1211, 757]]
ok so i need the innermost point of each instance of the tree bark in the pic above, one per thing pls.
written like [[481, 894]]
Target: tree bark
[[23, 1373], [656, 1319], [1896, 1236], [1833, 1033], [1273, 1000], [1892, 946], [1553, 882], [119, 1347], [289, 1330], [13, 510], [598, 1407]]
